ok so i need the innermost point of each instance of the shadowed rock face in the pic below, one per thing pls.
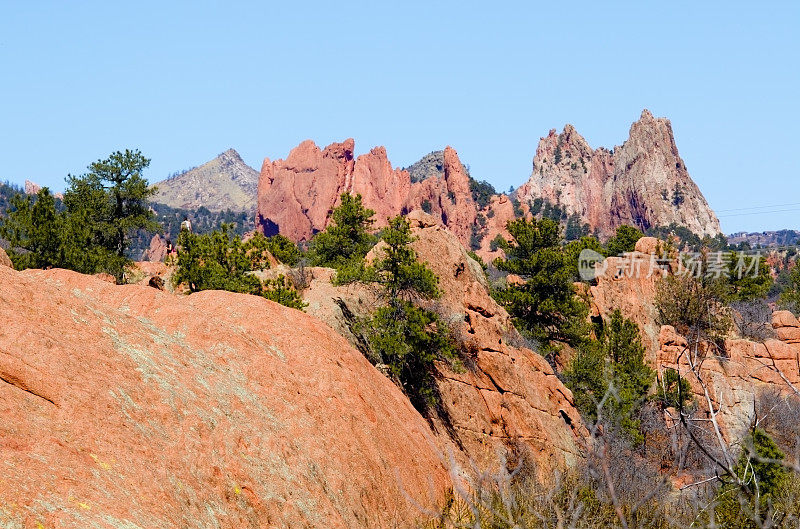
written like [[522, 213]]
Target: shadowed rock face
[[643, 182], [124, 406]]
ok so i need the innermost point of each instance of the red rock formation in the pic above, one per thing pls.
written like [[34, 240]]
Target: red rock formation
[[508, 397], [643, 182], [628, 283], [734, 381], [157, 250], [510, 394], [297, 195], [127, 406]]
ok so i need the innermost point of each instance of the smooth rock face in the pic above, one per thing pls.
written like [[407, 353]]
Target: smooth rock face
[[124, 406], [225, 182], [629, 284], [508, 397], [643, 182]]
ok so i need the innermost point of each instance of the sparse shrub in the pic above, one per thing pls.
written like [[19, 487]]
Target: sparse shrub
[[673, 391], [482, 192], [477, 259], [281, 291], [496, 243], [753, 319], [518, 211], [678, 196]]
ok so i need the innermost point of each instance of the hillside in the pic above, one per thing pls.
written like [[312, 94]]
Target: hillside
[[225, 182]]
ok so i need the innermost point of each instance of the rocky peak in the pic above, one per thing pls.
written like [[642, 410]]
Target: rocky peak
[[643, 182], [225, 182], [31, 188]]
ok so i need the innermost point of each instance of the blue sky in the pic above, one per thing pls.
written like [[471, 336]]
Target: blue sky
[[183, 81]]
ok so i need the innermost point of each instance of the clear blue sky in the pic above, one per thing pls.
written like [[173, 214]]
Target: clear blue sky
[[183, 81]]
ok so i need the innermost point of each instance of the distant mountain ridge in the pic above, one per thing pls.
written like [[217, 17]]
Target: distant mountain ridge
[[766, 238], [225, 182]]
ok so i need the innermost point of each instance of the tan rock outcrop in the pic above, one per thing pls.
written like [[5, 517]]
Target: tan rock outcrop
[[31, 188], [735, 379], [643, 182], [128, 406], [5, 260], [225, 182], [628, 283]]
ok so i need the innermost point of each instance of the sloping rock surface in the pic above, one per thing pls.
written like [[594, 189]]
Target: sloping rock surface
[[124, 406]]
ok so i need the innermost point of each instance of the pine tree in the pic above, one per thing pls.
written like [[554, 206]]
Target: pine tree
[[403, 336], [347, 238], [33, 229], [545, 306], [624, 240], [112, 198]]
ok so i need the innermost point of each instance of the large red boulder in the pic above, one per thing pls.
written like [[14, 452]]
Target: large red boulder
[[128, 406]]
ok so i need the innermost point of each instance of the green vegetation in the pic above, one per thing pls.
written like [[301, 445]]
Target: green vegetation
[[674, 391], [678, 196], [790, 297], [624, 240], [575, 229], [219, 260], [202, 219], [612, 367], [573, 249], [545, 306], [482, 192], [347, 239], [282, 248], [518, 211], [761, 481], [402, 335], [747, 277], [102, 210]]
